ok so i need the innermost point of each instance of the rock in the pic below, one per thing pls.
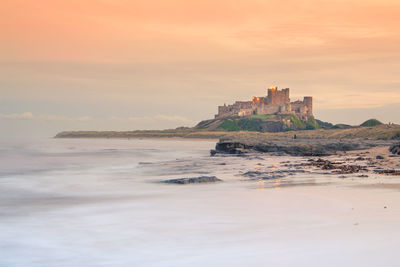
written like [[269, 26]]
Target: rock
[[294, 147], [213, 152], [395, 149], [396, 136], [388, 172], [257, 175], [253, 173], [380, 157], [193, 180], [336, 167], [231, 147]]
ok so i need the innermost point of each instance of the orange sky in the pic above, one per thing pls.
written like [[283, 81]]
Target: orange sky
[[130, 55]]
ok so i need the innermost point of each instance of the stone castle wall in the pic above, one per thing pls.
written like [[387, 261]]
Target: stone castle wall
[[276, 102], [276, 97]]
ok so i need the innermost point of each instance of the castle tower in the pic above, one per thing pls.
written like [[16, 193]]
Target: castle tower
[[271, 95], [285, 95], [278, 97], [308, 103]]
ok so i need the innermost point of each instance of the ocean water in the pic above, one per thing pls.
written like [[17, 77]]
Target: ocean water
[[99, 202]]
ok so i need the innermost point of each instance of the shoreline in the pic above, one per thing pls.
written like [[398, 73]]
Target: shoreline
[[321, 142], [175, 138]]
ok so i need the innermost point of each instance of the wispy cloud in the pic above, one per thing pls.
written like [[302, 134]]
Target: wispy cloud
[[18, 116], [42, 117], [155, 118], [48, 117]]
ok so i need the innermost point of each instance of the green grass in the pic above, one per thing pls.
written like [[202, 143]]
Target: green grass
[[312, 124], [298, 124], [371, 123], [229, 125], [265, 116], [324, 124], [249, 125], [240, 125]]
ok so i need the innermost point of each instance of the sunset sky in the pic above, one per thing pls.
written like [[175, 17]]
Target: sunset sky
[[122, 65]]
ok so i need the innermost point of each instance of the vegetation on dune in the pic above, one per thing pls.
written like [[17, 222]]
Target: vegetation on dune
[[324, 124], [342, 126], [268, 123], [383, 132], [371, 123], [298, 124], [312, 124], [229, 125], [240, 125], [265, 116]]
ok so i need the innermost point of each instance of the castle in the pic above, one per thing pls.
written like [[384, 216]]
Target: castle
[[276, 102]]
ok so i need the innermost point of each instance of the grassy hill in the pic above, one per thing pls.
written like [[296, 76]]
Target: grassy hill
[[371, 123], [259, 123]]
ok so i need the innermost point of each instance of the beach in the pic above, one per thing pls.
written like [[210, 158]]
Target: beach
[[102, 202]]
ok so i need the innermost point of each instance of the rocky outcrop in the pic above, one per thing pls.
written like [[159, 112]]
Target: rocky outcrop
[[395, 149], [294, 147], [193, 180]]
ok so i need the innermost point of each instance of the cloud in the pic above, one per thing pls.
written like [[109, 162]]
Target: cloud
[[48, 117], [16, 116], [154, 119], [43, 117]]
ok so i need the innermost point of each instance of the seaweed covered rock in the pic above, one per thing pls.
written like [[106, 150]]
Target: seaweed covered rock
[[193, 180], [395, 149]]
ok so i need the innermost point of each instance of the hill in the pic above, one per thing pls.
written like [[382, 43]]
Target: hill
[[371, 123], [259, 123]]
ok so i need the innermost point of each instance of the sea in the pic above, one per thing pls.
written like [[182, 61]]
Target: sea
[[102, 202]]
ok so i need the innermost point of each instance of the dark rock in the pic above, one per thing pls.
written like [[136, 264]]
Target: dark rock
[[396, 136], [395, 149], [380, 157], [253, 173], [272, 176], [193, 180], [389, 172], [213, 152], [294, 147], [257, 175]]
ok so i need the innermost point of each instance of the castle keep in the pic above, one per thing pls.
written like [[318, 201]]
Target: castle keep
[[276, 102]]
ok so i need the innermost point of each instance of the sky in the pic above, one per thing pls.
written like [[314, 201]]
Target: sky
[[156, 64]]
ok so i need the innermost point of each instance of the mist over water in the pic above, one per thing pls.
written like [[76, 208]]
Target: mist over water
[[99, 203]]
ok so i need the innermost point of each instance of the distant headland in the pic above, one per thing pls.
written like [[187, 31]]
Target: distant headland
[[270, 123]]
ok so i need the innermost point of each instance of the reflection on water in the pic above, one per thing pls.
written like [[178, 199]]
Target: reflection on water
[[277, 184], [261, 185]]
